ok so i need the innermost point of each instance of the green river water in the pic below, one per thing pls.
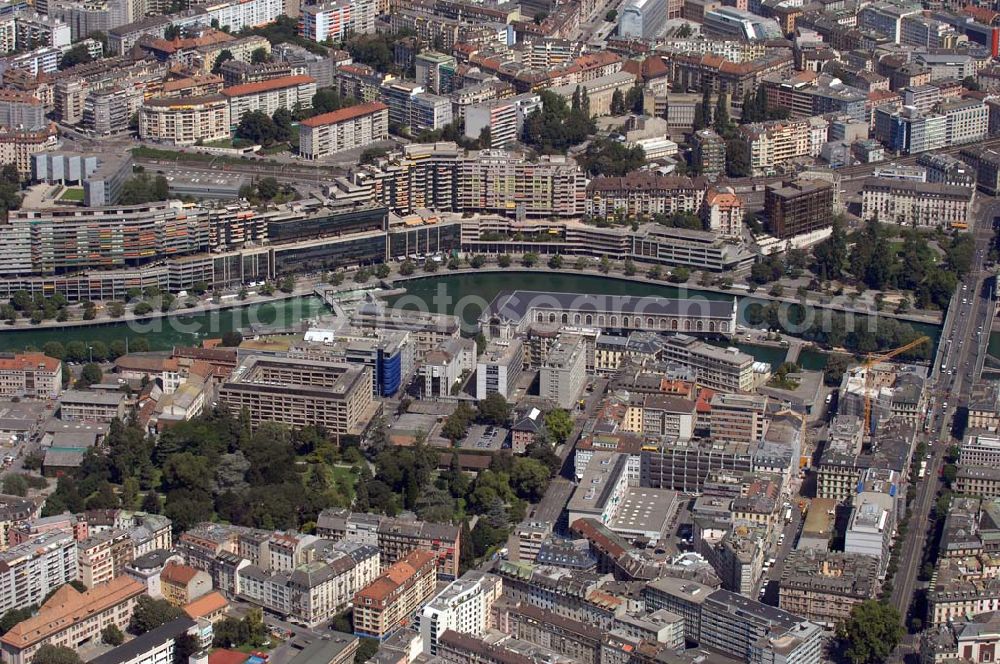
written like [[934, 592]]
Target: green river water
[[461, 294]]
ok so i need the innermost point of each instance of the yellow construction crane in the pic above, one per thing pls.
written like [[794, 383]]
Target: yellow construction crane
[[874, 358]]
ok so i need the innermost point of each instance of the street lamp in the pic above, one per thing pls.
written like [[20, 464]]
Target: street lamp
[[90, 351]]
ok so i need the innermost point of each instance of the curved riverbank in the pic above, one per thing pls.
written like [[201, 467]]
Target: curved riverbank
[[682, 290], [462, 292]]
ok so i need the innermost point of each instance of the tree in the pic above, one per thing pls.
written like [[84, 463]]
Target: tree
[[112, 636], [15, 485], [485, 138], [326, 100], [611, 16], [430, 265], [949, 473], [10, 187], [628, 267], [283, 120], [477, 261], [407, 267], [151, 613], [556, 126], [77, 55], [529, 259], [90, 375], [836, 365], [555, 262], [225, 55], [617, 103], [256, 126], [607, 157], [50, 654], [871, 633], [559, 424], [259, 55], [366, 650], [116, 309], [172, 32], [722, 123], [14, 616], [504, 260], [529, 478], [151, 503], [54, 349], [494, 409]]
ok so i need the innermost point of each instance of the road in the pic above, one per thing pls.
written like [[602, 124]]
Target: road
[[550, 507], [953, 372]]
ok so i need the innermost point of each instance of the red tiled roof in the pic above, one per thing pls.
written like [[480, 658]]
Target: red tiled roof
[[26, 361], [343, 114], [264, 86], [177, 574], [206, 605], [68, 607], [223, 656]]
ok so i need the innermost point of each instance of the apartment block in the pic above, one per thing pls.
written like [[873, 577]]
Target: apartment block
[[504, 118], [823, 586], [411, 105], [314, 591], [185, 120], [464, 606], [725, 369], [182, 584], [756, 632], [268, 96], [644, 194], [499, 367], [31, 375], [333, 21], [798, 207], [568, 637], [563, 375], [723, 210], [301, 392], [395, 538], [709, 152], [774, 143], [739, 418], [104, 556], [345, 129], [21, 109], [871, 528], [382, 606], [72, 619], [33, 569], [920, 204]]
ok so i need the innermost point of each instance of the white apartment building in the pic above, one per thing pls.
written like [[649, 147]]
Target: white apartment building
[[966, 120], [315, 591], [185, 120], [268, 96], [464, 607], [504, 118], [239, 14], [29, 571], [34, 30], [335, 20], [724, 212], [774, 143], [929, 205], [344, 129], [563, 375], [498, 368], [980, 450], [726, 369]]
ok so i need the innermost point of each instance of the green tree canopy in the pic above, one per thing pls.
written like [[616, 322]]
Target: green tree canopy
[[871, 633]]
